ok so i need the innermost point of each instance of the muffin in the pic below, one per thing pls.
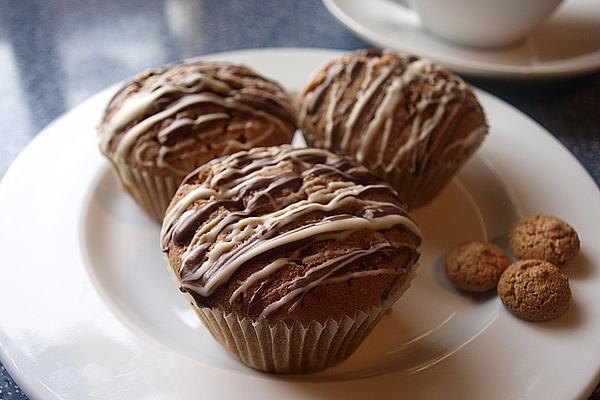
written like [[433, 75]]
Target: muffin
[[544, 237], [475, 266], [535, 290], [289, 256], [410, 121], [168, 121]]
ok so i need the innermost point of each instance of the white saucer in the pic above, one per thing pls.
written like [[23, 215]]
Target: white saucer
[[567, 44], [88, 309]]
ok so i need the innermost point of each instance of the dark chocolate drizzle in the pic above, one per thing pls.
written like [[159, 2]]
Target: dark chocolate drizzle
[[278, 195]]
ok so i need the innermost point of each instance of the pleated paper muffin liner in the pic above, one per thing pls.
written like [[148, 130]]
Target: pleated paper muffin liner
[[295, 348], [418, 190], [152, 192]]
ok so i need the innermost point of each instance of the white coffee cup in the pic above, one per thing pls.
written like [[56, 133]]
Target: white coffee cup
[[481, 23]]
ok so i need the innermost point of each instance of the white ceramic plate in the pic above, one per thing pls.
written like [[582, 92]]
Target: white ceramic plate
[[566, 44], [88, 309]]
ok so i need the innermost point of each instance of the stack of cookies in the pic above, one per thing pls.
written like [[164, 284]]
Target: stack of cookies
[[291, 256]]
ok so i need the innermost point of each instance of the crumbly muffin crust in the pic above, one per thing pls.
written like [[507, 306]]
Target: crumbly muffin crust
[[535, 290], [544, 237], [286, 233], [410, 121], [174, 118], [168, 121], [476, 266]]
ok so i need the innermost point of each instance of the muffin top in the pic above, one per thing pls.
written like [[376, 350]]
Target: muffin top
[[170, 120], [476, 266], [535, 290], [391, 111], [292, 233], [544, 237]]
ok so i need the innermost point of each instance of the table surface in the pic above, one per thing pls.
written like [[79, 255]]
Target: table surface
[[56, 53]]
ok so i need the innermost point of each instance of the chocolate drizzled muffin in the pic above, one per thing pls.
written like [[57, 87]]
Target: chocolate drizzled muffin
[[290, 256], [168, 121], [412, 122]]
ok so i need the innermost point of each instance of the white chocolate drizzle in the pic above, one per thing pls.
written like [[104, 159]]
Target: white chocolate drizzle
[[272, 204], [373, 117], [160, 104]]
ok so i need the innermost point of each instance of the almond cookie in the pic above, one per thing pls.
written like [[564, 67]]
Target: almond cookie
[[411, 121], [476, 266], [535, 290], [544, 237], [168, 121]]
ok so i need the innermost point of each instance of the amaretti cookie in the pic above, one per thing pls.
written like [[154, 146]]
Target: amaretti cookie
[[535, 290], [289, 256], [544, 237], [476, 266], [410, 121], [168, 121]]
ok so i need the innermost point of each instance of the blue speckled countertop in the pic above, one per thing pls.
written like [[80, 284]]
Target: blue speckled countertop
[[56, 53]]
